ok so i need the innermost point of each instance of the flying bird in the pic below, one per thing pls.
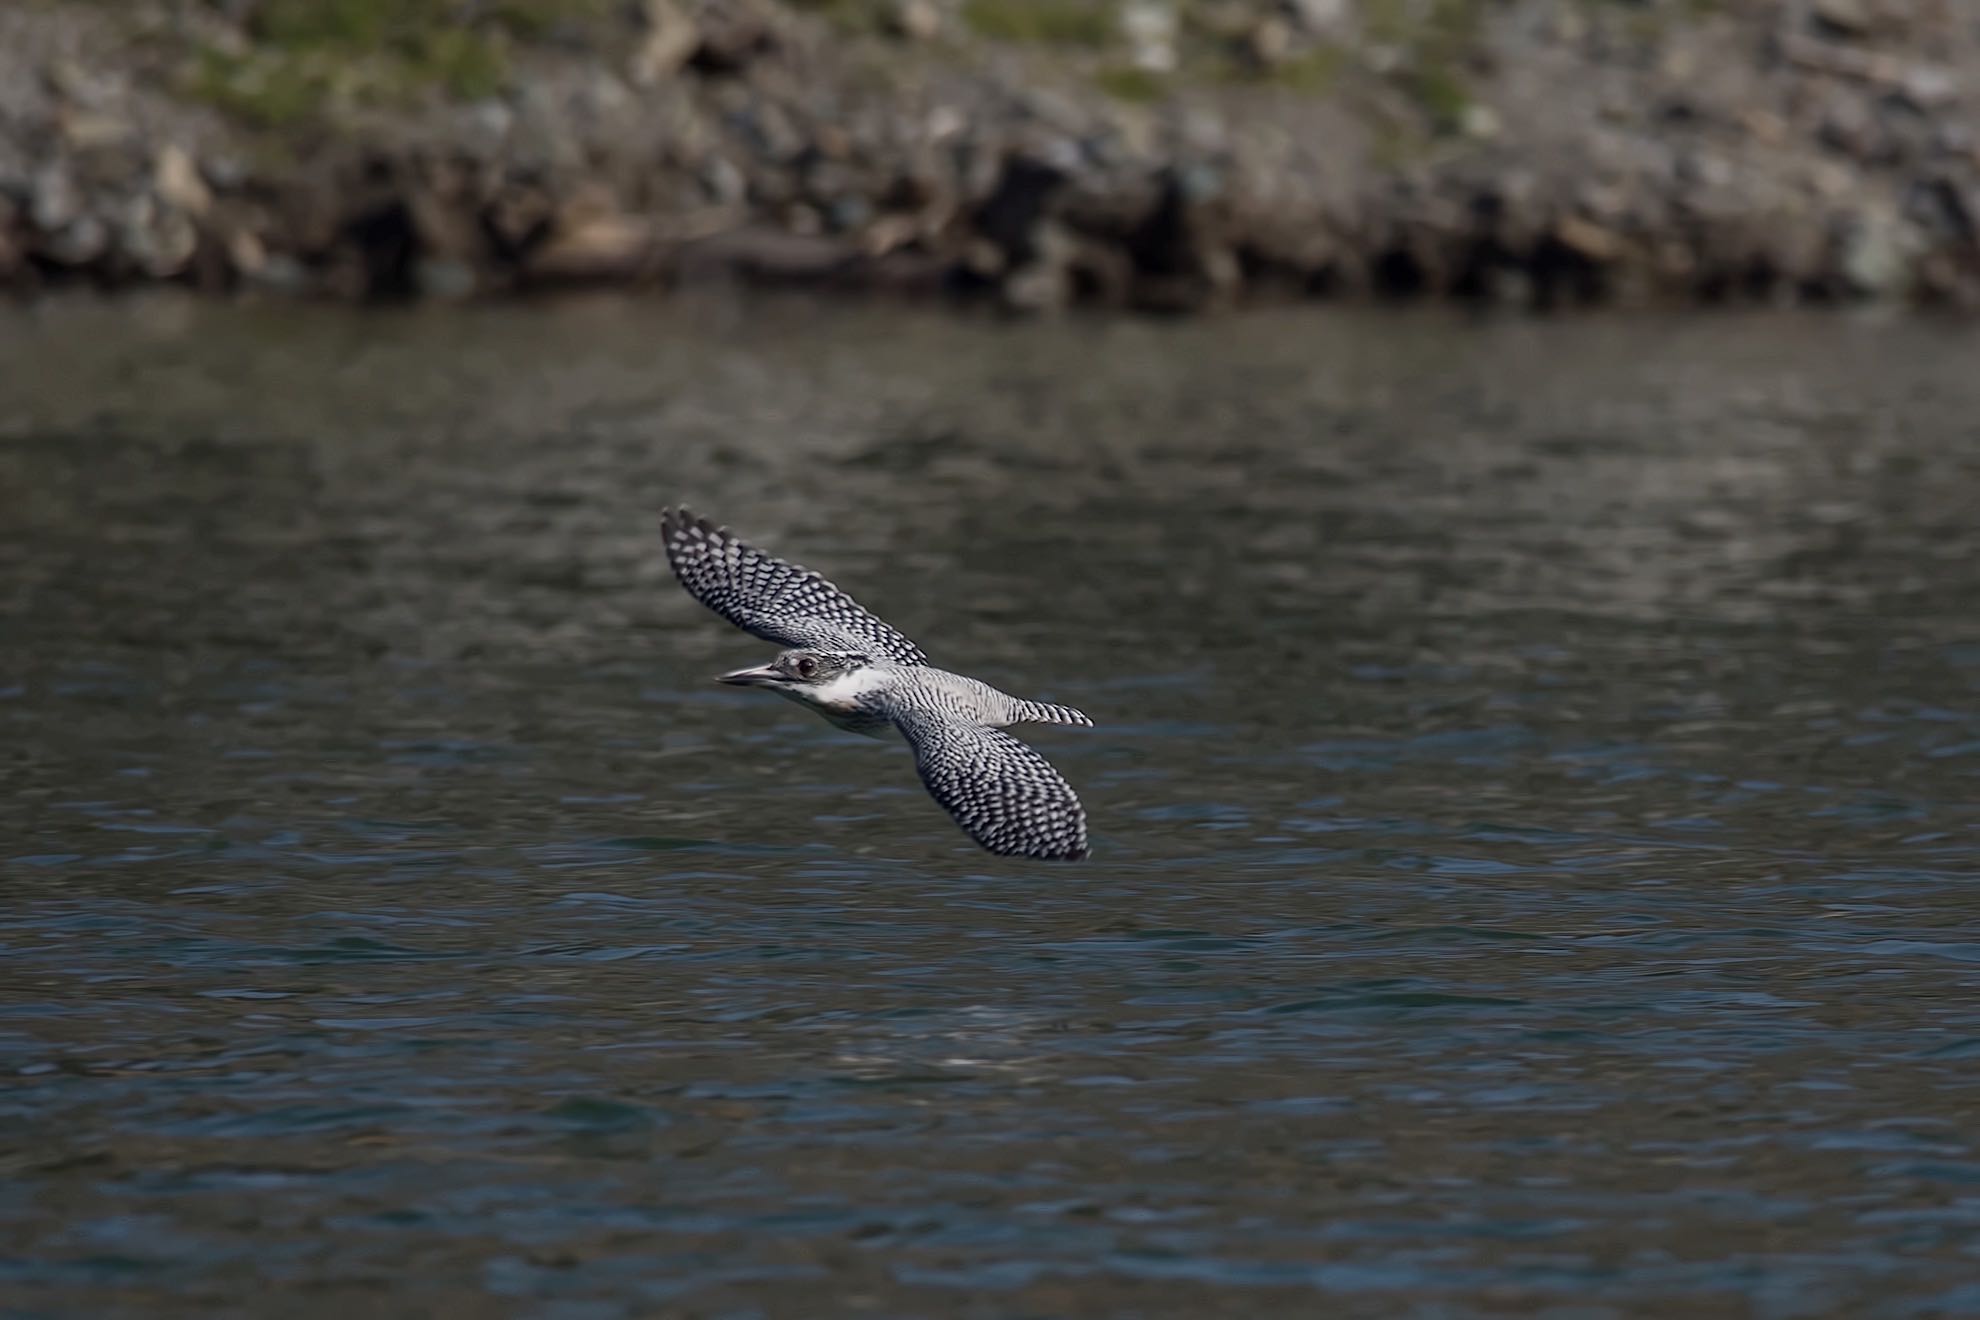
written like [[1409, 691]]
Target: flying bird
[[859, 672]]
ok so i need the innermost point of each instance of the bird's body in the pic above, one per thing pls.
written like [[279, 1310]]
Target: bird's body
[[872, 698], [864, 676], [858, 701]]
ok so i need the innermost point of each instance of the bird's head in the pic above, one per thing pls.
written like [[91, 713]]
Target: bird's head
[[803, 675]]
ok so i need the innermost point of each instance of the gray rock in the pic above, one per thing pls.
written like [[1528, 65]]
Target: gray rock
[[848, 213], [1322, 17], [444, 278], [723, 182], [54, 200], [1589, 241], [1927, 87], [593, 240], [916, 20], [1841, 18], [176, 179], [280, 273], [671, 38], [79, 243], [1035, 288], [733, 35], [244, 251], [1149, 28], [1876, 251], [160, 240], [765, 255]]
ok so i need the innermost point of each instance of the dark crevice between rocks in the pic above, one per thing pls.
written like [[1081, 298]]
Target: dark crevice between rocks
[[386, 240]]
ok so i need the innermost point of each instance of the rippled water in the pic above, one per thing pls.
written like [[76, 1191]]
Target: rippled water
[[1534, 798]]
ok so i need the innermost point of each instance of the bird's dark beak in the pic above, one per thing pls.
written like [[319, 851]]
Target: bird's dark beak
[[761, 676]]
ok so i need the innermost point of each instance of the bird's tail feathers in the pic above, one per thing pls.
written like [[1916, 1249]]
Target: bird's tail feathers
[[1044, 712]]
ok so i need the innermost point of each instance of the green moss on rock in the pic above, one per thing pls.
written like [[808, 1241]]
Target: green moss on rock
[[1041, 22], [303, 59]]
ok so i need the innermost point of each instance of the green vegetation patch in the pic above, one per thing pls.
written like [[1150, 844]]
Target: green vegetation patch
[[1436, 37], [1422, 22], [1126, 82], [1443, 94], [1041, 22], [850, 16], [304, 59], [1316, 70]]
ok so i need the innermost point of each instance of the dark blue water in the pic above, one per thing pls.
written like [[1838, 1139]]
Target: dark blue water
[[1536, 805]]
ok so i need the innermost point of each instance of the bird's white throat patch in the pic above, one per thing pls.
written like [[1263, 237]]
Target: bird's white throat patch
[[843, 693]]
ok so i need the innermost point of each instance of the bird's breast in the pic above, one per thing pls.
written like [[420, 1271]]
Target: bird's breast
[[850, 702], [859, 721]]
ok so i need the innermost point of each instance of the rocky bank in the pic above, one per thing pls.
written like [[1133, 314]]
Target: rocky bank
[[1156, 154]]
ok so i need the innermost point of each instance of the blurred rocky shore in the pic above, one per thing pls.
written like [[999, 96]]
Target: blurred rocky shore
[[1154, 154]]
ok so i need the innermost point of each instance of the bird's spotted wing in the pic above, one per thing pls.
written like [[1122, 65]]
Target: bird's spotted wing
[[1005, 795], [772, 599]]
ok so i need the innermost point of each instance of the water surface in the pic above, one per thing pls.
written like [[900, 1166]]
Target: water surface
[[1534, 805]]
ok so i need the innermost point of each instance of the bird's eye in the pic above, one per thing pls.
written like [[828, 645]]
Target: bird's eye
[[806, 666]]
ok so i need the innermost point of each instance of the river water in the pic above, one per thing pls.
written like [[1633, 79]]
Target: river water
[[1534, 802]]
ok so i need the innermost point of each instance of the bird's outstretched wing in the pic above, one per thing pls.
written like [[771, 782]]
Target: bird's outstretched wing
[[772, 599], [1005, 795]]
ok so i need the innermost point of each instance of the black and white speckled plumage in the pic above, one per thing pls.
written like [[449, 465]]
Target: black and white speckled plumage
[[1005, 795], [863, 675], [772, 599]]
